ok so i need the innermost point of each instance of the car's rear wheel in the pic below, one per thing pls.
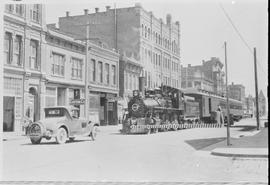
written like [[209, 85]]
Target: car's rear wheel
[[35, 140], [61, 136], [94, 133]]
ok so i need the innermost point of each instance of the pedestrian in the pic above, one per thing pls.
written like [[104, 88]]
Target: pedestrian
[[220, 118]]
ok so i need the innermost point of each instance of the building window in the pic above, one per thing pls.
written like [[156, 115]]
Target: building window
[[107, 73], [19, 9], [76, 68], [142, 30], [50, 96], [93, 70], [17, 50], [58, 66], [126, 80], [114, 74], [10, 8], [148, 33], [100, 72], [7, 48], [145, 32], [33, 54], [35, 13]]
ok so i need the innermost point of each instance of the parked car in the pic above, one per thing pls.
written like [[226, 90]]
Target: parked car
[[61, 123]]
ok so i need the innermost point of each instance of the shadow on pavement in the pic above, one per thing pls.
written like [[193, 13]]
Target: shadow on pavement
[[245, 128], [199, 144], [54, 142]]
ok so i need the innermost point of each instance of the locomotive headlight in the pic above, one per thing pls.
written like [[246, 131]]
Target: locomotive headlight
[[135, 107]]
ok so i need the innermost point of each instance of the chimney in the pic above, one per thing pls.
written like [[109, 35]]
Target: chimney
[[177, 23], [203, 61], [85, 11], [108, 8], [67, 13], [138, 5], [96, 9], [168, 19], [189, 65]]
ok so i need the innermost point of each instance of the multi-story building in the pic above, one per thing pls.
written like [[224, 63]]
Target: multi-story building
[[208, 76], [130, 71], [65, 69], [262, 104], [237, 92], [138, 32], [249, 105], [24, 46], [46, 67]]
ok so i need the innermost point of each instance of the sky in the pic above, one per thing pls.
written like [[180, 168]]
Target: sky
[[204, 29]]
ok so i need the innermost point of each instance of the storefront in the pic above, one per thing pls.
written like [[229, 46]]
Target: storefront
[[12, 103], [103, 108], [60, 95]]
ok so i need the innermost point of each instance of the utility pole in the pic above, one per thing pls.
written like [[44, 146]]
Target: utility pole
[[86, 69], [256, 90], [227, 97]]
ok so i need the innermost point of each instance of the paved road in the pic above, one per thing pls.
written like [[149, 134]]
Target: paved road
[[164, 156]]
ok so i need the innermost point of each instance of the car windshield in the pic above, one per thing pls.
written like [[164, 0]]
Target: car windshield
[[54, 112]]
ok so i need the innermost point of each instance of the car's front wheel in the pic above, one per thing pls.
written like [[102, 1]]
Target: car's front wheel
[[94, 133], [61, 136], [35, 140]]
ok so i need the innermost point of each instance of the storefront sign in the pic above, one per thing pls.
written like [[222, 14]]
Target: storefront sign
[[77, 101]]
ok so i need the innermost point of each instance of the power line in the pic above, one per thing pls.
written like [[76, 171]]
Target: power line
[[239, 34]]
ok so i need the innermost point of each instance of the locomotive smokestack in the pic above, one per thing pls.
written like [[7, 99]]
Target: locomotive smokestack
[[141, 85]]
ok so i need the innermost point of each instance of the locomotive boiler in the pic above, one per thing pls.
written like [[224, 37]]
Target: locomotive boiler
[[158, 110]]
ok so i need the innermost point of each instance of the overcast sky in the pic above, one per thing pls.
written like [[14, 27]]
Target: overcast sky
[[204, 28]]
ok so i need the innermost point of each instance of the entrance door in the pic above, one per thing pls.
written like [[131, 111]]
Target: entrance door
[[8, 111], [33, 104]]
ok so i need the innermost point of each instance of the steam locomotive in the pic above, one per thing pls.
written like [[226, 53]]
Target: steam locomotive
[[167, 108], [161, 109]]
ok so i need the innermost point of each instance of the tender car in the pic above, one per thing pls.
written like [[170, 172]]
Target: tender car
[[61, 123]]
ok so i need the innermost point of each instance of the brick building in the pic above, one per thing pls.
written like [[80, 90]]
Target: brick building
[[237, 92], [208, 76], [139, 33], [24, 45]]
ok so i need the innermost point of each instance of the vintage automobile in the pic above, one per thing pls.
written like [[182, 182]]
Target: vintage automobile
[[61, 123]]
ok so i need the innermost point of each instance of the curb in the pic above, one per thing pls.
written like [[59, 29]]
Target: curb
[[241, 152]]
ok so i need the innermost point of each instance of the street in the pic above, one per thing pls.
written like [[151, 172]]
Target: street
[[165, 156]]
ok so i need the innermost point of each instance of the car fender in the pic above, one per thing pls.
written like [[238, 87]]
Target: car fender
[[59, 125], [92, 124]]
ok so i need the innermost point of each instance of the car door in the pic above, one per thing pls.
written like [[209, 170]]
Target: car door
[[73, 124]]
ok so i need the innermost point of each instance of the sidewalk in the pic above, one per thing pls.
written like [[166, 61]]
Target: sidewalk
[[248, 146], [8, 136]]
